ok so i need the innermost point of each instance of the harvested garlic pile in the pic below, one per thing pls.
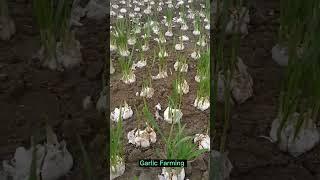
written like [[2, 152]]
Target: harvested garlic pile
[[142, 138]]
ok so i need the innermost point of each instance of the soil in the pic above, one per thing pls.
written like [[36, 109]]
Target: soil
[[254, 157], [30, 94], [196, 121]]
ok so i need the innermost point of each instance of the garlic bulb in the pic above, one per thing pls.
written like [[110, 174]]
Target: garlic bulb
[[125, 111], [142, 138], [172, 115], [203, 141]]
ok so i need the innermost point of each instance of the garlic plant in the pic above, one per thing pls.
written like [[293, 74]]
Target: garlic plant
[[7, 26], [227, 65], [202, 67], [239, 20], [59, 49], [156, 28], [202, 101], [173, 113], [146, 36], [50, 160], [168, 22], [181, 64], [132, 39], [300, 10], [121, 113], [117, 159], [179, 46], [197, 25], [162, 62], [147, 90], [142, 60], [241, 83], [295, 127], [121, 36], [223, 65], [183, 19], [191, 11], [162, 38], [177, 146], [207, 13], [142, 137], [202, 40], [202, 140], [136, 28], [196, 53], [128, 75], [113, 41], [180, 84]]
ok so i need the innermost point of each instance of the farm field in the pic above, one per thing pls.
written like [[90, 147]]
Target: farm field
[[232, 87], [159, 69]]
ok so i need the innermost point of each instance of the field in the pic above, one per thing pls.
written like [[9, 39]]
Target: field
[[196, 121], [157, 89]]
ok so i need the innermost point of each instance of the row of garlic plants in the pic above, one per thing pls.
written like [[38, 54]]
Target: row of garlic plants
[[59, 48], [295, 129], [232, 84], [135, 27], [59, 51]]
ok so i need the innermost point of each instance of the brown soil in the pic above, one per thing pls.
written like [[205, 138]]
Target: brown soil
[[254, 157], [28, 92]]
